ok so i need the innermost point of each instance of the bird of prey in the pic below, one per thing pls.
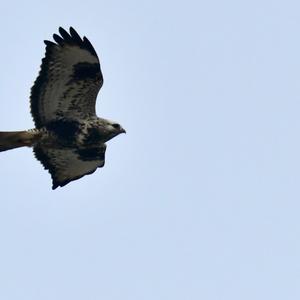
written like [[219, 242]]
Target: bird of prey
[[68, 138]]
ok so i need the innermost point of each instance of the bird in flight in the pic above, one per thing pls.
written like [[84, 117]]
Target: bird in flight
[[68, 138]]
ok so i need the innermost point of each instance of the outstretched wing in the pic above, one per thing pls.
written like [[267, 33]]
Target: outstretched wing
[[68, 164], [69, 80]]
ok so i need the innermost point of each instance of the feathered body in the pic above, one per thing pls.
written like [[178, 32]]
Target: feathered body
[[68, 138]]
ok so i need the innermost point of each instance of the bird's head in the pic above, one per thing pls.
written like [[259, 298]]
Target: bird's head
[[116, 128], [109, 129]]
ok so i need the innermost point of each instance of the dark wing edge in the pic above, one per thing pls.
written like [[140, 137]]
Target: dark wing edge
[[48, 163], [66, 39], [72, 39]]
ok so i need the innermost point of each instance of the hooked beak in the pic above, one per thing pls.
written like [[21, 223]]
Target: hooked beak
[[123, 130]]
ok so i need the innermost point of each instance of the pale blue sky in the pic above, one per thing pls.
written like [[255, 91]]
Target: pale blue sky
[[201, 198]]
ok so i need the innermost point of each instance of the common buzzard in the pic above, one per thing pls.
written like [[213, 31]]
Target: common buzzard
[[68, 138]]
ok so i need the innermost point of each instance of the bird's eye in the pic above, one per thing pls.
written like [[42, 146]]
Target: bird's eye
[[116, 126]]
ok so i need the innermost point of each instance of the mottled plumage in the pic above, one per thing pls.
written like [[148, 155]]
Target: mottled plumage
[[68, 139]]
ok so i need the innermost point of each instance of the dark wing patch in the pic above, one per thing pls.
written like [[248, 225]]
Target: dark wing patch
[[84, 71], [69, 80], [65, 130], [69, 164]]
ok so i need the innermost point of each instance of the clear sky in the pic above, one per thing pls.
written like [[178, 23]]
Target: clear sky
[[201, 198]]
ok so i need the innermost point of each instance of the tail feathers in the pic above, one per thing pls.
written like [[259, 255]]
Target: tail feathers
[[16, 139]]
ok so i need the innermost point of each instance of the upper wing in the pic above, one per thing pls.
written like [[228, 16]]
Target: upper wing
[[69, 80], [68, 164]]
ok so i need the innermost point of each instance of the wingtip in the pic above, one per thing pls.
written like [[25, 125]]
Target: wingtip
[[59, 40], [60, 29], [49, 43], [64, 33]]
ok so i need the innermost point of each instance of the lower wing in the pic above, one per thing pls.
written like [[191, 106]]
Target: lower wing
[[68, 164]]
